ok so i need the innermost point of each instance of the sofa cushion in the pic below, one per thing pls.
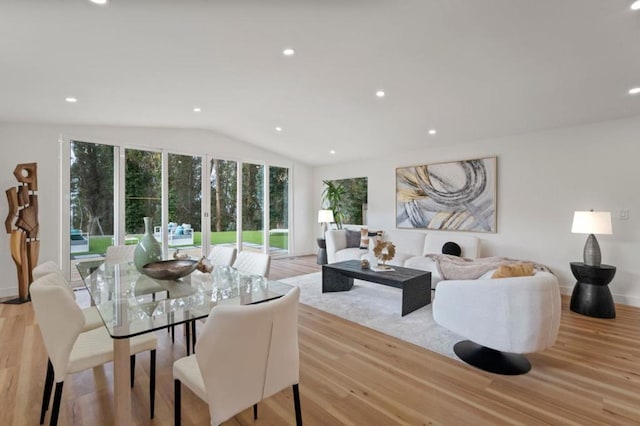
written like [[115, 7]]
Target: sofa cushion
[[451, 248], [353, 238], [349, 254], [425, 264], [434, 241], [411, 242], [399, 259]]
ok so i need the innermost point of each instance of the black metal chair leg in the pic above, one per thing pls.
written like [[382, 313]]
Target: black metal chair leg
[[176, 402], [132, 363], [193, 334], [152, 383], [57, 396], [48, 385], [296, 402], [173, 334], [187, 330], [255, 411]]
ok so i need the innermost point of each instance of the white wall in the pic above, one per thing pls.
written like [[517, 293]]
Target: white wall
[[26, 143], [542, 179]]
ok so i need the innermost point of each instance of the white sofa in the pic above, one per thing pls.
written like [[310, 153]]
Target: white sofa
[[411, 246]]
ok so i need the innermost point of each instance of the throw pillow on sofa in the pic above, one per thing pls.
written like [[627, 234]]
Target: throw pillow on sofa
[[353, 238], [514, 270], [451, 248]]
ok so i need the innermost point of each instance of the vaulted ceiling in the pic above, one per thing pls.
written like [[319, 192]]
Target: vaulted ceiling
[[469, 69]]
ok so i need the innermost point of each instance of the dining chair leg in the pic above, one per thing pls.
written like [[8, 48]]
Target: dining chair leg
[[296, 402], [187, 332], [132, 363], [48, 385], [193, 334], [255, 411], [176, 402], [152, 383], [57, 396], [173, 334]]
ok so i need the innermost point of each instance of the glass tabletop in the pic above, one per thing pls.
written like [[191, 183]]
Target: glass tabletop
[[131, 303]]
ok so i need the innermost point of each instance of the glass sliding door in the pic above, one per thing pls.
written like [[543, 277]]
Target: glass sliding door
[[143, 192], [184, 229], [278, 210], [252, 207], [91, 206], [224, 202]]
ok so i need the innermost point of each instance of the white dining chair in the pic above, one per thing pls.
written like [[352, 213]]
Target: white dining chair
[[120, 254], [253, 263], [70, 350], [232, 373], [92, 318], [222, 255]]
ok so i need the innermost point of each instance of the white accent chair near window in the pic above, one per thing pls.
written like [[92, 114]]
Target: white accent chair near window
[[502, 318], [222, 255], [230, 373], [253, 263], [70, 350], [92, 318]]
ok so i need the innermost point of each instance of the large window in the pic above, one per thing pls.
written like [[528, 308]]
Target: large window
[[278, 210], [252, 206], [112, 188], [224, 190], [185, 202], [91, 198], [143, 190]]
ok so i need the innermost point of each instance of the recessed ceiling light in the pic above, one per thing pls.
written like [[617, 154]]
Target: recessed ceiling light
[[635, 5], [380, 93], [332, 152], [432, 131], [100, 2], [288, 52], [278, 129], [71, 100], [196, 109], [635, 90]]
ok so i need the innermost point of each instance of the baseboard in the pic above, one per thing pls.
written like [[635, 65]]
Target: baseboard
[[617, 298], [8, 292]]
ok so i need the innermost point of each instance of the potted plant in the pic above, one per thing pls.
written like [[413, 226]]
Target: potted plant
[[332, 198]]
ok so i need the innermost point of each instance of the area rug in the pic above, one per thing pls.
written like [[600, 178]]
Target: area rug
[[378, 307]]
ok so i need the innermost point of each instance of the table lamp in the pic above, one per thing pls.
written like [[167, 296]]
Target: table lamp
[[591, 223], [326, 217]]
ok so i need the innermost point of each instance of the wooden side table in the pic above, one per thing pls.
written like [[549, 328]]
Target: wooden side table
[[591, 295], [322, 252]]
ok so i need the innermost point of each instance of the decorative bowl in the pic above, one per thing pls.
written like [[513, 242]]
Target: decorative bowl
[[169, 269]]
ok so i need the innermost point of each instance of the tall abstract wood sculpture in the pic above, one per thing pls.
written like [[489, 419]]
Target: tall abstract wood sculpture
[[22, 224]]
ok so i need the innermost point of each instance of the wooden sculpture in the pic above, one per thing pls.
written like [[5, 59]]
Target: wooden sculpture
[[22, 224]]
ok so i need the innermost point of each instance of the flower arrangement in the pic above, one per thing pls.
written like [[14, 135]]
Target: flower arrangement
[[384, 250]]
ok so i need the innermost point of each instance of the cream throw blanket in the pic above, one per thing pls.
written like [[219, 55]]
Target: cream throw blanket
[[462, 268]]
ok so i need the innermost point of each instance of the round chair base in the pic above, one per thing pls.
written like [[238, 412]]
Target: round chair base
[[491, 360]]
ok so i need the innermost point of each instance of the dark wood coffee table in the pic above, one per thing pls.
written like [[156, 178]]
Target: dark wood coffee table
[[415, 284]]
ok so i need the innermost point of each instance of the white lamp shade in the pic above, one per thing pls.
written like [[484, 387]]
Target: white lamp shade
[[591, 223], [325, 216]]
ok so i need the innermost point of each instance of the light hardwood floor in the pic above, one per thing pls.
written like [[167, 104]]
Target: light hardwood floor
[[356, 376]]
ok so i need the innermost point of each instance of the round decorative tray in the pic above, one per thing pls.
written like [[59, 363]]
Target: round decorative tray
[[170, 269]]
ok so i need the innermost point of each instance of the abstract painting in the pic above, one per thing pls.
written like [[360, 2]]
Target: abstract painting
[[453, 196]]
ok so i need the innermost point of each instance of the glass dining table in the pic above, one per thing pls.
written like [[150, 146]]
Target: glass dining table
[[131, 303]]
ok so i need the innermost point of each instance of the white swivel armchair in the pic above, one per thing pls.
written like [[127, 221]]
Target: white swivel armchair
[[253, 263], [502, 318], [231, 374], [70, 350]]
